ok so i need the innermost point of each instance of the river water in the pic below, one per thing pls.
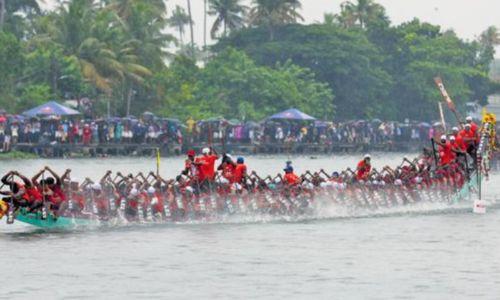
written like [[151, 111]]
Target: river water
[[424, 252]]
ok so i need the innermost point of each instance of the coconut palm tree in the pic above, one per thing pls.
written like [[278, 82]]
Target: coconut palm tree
[[2, 13], [179, 20], [125, 8], [273, 13], [360, 13], [229, 15], [10, 17], [490, 37], [69, 27], [191, 26]]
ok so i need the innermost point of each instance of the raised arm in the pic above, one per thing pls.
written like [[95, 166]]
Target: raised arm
[[56, 177], [66, 175]]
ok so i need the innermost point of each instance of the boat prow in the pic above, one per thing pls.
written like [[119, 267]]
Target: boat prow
[[64, 222]]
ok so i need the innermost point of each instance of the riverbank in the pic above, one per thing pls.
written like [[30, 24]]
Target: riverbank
[[168, 150], [14, 155]]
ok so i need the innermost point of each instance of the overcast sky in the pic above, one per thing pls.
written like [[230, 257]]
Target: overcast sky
[[467, 17]]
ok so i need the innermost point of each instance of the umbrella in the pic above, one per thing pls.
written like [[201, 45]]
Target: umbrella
[[252, 124], [234, 122], [292, 114], [51, 108], [320, 124], [2, 119], [172, 120], [424, 124]]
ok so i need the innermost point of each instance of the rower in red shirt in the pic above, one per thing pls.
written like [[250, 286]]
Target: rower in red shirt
[[191, 166], [240, 171], [469, 138], [459, 140], [208, 163], [364, 168], [474, 127], [446, 153], [227, 167], [290, 177]]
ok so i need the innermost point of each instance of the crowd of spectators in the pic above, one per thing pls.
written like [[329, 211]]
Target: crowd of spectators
[[150, 129], [353, 132]]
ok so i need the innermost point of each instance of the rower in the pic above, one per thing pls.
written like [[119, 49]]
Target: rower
[[474, 126], [227, 167], [469, 138], [16, 196], [446, 153], [364, 168], [459, 140], [290, 177], [207, 167], [240, 171]]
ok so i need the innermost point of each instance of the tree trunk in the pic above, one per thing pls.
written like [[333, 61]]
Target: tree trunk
[[271, 32], [205, 26], [181, 36], [2, 13], [129, 99], [191, 27]]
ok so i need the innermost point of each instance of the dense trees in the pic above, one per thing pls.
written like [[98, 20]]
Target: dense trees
[[229, 15], [117, 52], [272, 13], [378, 71]]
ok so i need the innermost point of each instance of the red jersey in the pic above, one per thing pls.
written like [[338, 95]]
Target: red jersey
[[364, 170], [208, 166], [79, 200], [228, 171], [59, 192], [33, 194], [460, 143], [467, 136], [87, 135], [192, 168], [157, 202], [446, 154], [291, 178], [239, 172]]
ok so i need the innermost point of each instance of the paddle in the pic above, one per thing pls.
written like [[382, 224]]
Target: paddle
[[10, 212], [44, 205]]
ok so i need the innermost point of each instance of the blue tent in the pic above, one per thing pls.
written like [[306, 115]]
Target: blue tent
[[51, 108], [292, 114]]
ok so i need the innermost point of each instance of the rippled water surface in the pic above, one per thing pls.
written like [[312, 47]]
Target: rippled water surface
[[427, 252]]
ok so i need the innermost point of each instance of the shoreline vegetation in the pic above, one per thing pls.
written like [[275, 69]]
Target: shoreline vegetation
[[17, 155], [355, 64]]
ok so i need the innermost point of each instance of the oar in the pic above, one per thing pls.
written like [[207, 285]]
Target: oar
[[434, 151], [10, 212], [44, 205]]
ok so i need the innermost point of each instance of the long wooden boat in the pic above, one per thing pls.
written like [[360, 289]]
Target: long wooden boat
[[63, 222]]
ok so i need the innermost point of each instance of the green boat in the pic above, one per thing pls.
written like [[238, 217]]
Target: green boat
[[64, 222]]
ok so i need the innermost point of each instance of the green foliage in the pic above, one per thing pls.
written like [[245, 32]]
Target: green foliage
[[495, 70], [344, 59], [377, 70], [11, 64], [234, 86], [33, 95], [115, 51]]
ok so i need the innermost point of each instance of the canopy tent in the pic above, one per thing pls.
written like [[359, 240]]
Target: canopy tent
[[292, 114], [51, 108]]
